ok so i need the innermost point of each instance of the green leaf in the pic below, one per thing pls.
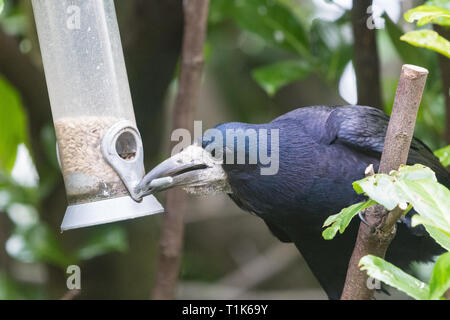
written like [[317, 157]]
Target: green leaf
[[430, 199], [414, 173], [439, 3], [443, 155], [440, 278], [104, 240], [272, 77], [2, 6], [395, 277], [428, 14], [272, 21], [428, 39], [408, 54], [339, 222], [442, 238], [437, 233], [418, 219], [380, 188], [415, 184], [13, 125]]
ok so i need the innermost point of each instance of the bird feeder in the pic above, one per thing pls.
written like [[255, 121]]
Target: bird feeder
[[99, 146]]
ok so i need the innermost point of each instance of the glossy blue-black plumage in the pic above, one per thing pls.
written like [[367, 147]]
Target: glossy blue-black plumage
[[322, 150]]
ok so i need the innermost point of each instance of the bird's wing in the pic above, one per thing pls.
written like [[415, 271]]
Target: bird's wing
[[364, 129], [359, 127]]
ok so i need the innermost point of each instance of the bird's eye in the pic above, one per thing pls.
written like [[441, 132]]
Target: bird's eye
[[213, 152]]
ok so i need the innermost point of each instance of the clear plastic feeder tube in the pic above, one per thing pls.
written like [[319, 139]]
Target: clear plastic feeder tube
[[89, 94]]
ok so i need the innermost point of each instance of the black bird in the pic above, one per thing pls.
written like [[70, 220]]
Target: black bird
[[322, 150]]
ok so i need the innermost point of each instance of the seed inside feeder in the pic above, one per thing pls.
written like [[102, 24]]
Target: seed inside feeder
[[126, 146], [87, 176]]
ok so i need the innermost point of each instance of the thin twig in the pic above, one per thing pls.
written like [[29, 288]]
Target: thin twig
[[365, 55], [375, 237], [195, 22]]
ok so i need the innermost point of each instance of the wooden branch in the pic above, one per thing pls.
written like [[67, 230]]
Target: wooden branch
[[365, 56], [4, 235], [375, 237], [195, 22], [403, 118]]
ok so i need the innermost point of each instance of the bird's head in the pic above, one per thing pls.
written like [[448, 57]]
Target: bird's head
[[204, 166], [197, 169], [194, 169]]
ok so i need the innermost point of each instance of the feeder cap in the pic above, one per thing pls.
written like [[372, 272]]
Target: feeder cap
[[110, 210]]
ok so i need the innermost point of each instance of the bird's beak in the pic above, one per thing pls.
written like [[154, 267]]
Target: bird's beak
[[191, 167]]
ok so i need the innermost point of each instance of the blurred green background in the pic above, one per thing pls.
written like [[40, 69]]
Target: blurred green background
[[263, 58]]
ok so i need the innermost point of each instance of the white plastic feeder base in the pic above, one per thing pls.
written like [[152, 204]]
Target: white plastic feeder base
[[110, 210]]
